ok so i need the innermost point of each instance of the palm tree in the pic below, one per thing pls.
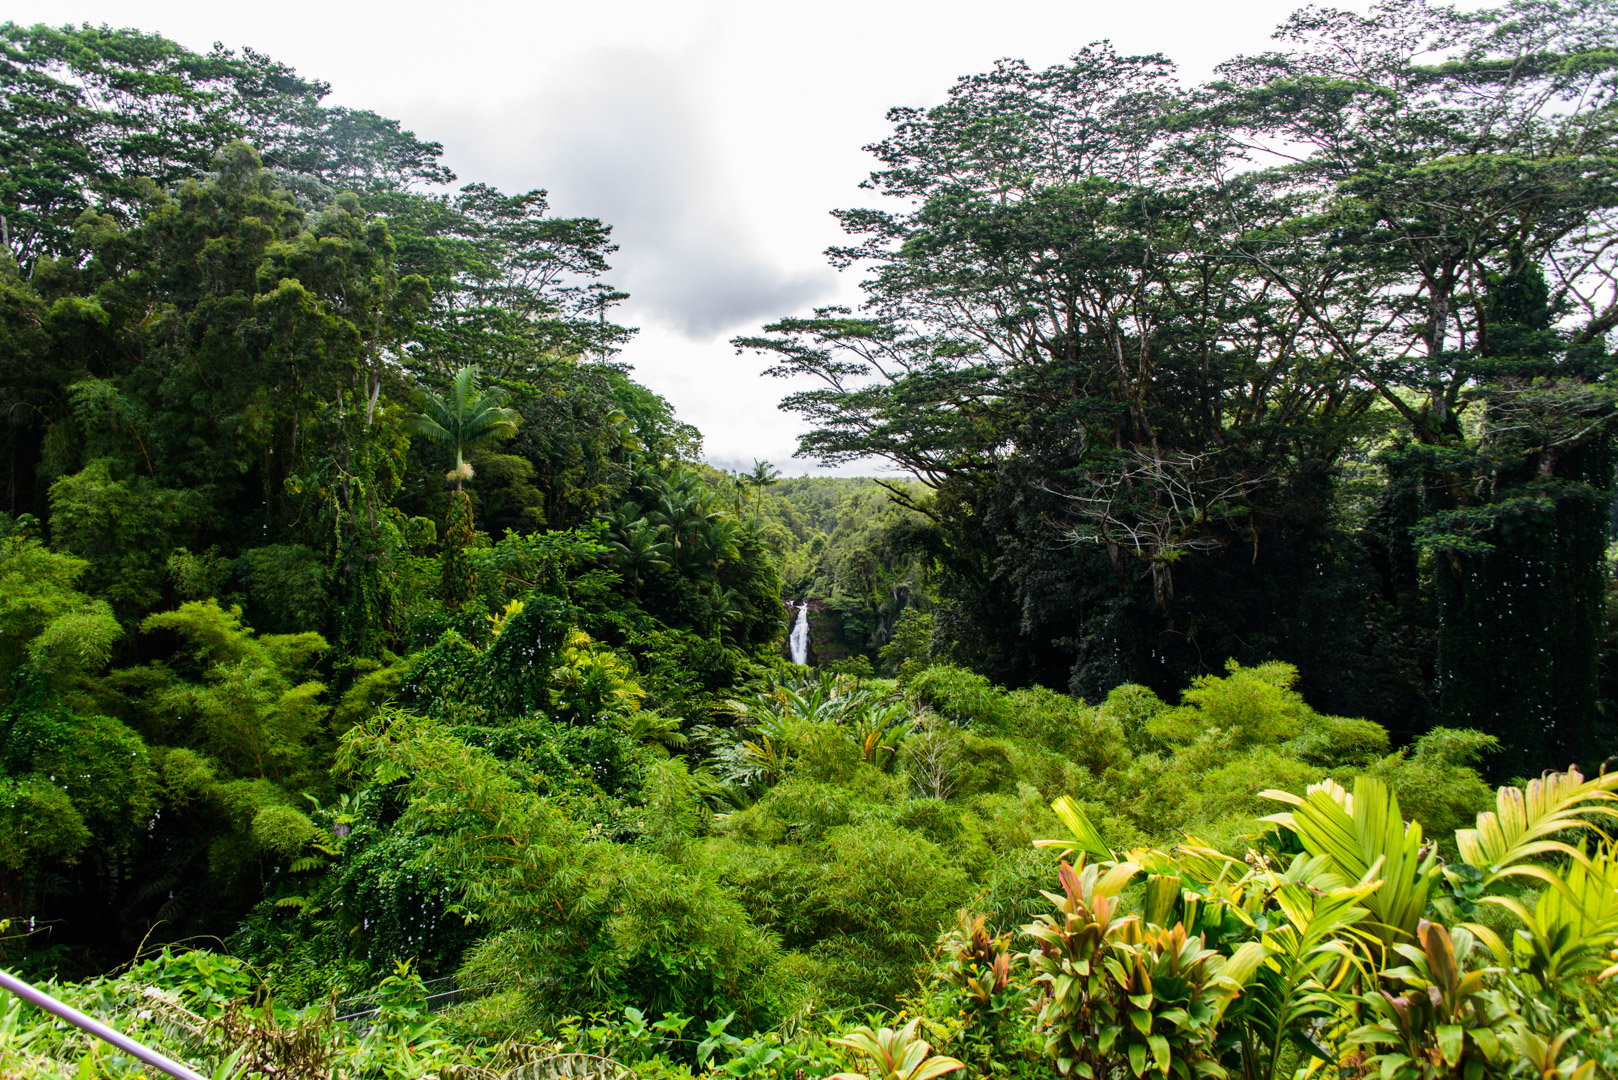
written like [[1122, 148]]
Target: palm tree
[[465, 418], [637, 551], [763, 475], [685, 516]]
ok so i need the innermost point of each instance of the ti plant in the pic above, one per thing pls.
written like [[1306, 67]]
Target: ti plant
[[977, 963], [1328, 961], [1120, 993], [989, 999], [1442, 1022], [1172, 996]]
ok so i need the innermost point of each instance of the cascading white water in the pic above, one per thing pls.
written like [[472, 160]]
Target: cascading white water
[[798, 643]]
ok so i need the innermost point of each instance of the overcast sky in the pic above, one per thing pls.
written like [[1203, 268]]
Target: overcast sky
[[714, 137]]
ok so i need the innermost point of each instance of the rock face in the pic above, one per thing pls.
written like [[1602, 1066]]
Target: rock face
[[826, 643]]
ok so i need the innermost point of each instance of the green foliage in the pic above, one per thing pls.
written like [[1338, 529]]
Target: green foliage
[[1249, 705], [42, 824], [897, 1055], [284, 831], [245, 703], [887, 891], [1423, 536], [548, 749], [48, 628], [1437, 781], [286, 588], [1363, 837], [125, 528], [907, 653], [1133, 708], [600, 920], [593, 685], [466, 418], [962, 696]]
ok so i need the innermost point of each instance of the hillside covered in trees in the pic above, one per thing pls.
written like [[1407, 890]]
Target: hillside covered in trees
[[1224, 686]]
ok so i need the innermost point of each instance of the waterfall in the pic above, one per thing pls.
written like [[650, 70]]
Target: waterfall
[[799, 641]]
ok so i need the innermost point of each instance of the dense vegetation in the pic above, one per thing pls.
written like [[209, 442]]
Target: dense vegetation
[[1309, 362], [371, 642]]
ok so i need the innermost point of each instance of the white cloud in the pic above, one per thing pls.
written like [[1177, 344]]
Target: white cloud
[[623, 135]]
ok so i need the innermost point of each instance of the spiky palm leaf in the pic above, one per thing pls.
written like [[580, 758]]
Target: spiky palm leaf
[[1525, 822], [1082, 836], [1367, 841], [897, 1055], [1570, 931], [1292, 974]]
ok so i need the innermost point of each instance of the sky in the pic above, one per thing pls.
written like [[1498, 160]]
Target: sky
[[715, 137]]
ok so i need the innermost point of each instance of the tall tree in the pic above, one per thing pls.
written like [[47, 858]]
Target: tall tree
[[763, 475], [466, 417], [1132, 336], [1056, 340], [515, 289], [89, 116], [1455, 184]]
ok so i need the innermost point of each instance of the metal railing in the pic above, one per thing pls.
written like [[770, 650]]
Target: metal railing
[[357, 1012], [35, 996]]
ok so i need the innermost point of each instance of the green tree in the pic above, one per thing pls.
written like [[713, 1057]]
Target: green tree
[[237, 726], [514, 290], [1452, 188], [763, 475], [103, 113], [1135, 337], [1058, 343], [466, 417], [76, 786]]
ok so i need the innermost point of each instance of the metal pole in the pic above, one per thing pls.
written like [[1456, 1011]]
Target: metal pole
[[96, 1028]]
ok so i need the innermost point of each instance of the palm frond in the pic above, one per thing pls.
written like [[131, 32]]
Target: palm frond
[[1082, 836], [1525, 821], [1366, 841], [464, 417], [428, 427]]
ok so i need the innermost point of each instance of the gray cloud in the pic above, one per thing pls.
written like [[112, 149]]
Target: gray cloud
[[621, 135]]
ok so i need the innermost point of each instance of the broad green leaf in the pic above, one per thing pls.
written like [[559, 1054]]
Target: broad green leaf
[[1451, 1042], [1160, 1052]]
